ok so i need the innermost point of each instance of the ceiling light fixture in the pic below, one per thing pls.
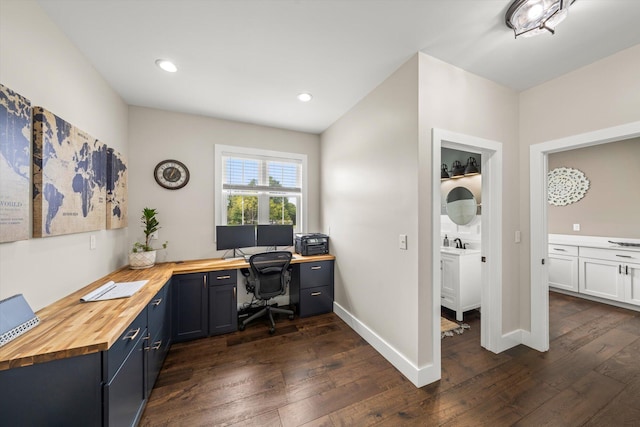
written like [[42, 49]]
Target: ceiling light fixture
[[305, 97], [528, 18], [166, 65]]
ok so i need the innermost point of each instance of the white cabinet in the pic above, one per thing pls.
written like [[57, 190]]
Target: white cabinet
[[563, 267], [460, 280], [610, 273]]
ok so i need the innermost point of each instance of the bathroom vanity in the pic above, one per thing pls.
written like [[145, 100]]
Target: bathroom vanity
[[460, 280]]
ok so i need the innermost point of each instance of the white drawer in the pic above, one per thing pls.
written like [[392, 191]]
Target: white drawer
[[610, 254], [563, 250]]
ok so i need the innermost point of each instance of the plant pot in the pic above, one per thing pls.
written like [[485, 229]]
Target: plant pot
[[140, 260]]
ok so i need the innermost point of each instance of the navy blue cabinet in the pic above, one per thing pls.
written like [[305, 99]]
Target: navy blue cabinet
[[311, 288], [223, 302], [64, 392], [159, 333], [189, 299], [204, 304]]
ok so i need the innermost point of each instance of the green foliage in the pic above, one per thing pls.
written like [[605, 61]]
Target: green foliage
[[243, 209], [150, 225]]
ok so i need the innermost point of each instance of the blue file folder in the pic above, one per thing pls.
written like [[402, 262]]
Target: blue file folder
[[16, 318]]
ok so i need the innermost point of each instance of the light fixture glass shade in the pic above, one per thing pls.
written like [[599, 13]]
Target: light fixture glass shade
[[472, 167], [529, 18], [444, 173], [166, 65], [457, 170]]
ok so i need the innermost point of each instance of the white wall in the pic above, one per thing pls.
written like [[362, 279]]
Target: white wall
[[461, 102], [187, 215], [597, 96], [370, 197], [39, 62]]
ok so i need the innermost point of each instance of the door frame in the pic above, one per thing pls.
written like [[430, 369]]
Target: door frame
[[491, 225], [538, 165]]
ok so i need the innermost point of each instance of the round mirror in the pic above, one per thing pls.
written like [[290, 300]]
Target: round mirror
[[461, 206]]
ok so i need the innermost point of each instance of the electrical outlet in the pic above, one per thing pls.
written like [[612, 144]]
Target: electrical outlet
[[92, 241], [403, 241], [154, 235], [517, 236], [576, 227]]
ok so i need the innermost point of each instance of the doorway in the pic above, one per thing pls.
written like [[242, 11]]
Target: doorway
[[539, 280], [491, 248]]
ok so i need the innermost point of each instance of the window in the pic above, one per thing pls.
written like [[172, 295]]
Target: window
[[259, 187]]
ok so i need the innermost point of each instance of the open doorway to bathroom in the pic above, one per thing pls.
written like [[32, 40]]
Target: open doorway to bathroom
[[490, 240], [461, 234]]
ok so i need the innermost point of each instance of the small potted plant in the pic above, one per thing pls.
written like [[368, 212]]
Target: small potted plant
[[143, 255]]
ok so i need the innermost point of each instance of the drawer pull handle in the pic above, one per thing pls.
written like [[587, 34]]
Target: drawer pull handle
[[156, 346], [131, 335], [626, 270], [619, 269], [316, 267], [624, 256], [157, 302], [558, 249], [223, 277], [315, 294]]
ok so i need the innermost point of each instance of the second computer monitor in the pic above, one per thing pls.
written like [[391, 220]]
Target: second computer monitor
[[275, 235], [235, 236]]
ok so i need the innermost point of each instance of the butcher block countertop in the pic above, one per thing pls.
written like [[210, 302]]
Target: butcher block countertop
[[69, 327]]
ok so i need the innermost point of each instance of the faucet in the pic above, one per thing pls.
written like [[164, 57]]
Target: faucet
[[458, 243]]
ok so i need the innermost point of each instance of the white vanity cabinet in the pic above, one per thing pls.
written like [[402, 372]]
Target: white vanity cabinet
[[460, 280], [610, 273], [563, 267]]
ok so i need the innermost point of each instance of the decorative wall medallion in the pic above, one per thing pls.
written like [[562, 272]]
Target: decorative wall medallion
[[566, 186]]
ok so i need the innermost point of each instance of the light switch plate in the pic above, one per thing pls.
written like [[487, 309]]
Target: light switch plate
[[576, 227], [403, 241], [92, 241]]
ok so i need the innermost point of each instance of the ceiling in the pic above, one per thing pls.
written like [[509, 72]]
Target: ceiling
[[247, 60]]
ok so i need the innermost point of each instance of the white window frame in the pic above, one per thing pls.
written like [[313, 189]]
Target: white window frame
[[222, 150]]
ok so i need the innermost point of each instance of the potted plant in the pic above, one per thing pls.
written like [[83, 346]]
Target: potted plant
[[143, 255]]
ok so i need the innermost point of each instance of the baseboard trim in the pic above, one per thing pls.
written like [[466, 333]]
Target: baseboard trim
[[510, 340], [418, 376]]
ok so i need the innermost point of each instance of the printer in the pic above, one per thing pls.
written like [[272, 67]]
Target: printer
[[311, 244]]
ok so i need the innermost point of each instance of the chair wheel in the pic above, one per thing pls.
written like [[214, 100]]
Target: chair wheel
[[291, 317], [272, 331], [241, 327]]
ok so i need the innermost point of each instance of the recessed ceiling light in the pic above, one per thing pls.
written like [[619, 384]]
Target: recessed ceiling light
[[304, 97], [166, 65]]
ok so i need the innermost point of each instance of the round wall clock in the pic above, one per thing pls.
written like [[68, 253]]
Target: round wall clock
[[171, 174], [566, 186]]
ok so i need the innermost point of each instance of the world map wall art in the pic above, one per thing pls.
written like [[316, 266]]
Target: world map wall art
[[15, 165], [116, 190]]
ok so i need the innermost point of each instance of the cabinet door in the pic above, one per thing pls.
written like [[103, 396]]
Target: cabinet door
[[601, 278], [563, 272], [159, 331], [449, 275], [124, 395], [632, 283], [189, 304], [223, 309]]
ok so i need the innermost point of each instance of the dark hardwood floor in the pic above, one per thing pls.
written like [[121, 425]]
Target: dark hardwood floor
[[318, 372]]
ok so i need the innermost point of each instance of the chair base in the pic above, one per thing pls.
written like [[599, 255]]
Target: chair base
[[267, 310]]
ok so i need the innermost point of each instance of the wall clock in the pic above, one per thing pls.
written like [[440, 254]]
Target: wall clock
[[171, 174], [566, 186]]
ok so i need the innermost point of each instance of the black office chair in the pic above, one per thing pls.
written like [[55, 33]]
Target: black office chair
[[268, 277]]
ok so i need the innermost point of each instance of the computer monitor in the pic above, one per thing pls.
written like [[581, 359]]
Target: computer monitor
[[275, 235], [235, 236]]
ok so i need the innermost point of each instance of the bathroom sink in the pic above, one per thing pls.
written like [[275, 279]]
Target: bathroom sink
[[457, 251]]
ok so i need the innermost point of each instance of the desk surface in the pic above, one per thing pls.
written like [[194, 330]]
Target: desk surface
[[70, 328]]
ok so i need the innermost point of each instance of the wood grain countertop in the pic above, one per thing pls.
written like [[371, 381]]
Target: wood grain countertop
[[69, 327]]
